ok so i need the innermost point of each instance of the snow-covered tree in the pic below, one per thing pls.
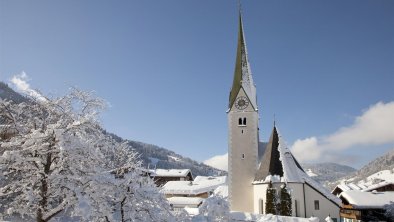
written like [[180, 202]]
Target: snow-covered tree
[[127, 192], [285, 201], [271, 200], [52, 155], [59, 162]]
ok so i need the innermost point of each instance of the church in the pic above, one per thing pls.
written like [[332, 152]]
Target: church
[[254, 165]]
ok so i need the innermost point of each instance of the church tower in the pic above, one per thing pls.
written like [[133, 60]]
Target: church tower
[[243, 131]]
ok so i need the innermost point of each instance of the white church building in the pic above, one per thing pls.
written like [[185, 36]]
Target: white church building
[[254, 164]]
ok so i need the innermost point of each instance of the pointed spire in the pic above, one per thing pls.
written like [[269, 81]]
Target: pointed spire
[[242, 74], [270, 163]]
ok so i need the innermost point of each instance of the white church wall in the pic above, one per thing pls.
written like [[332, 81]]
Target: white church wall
[[302, 206], [259, 191], [326, 207], [297, 198]]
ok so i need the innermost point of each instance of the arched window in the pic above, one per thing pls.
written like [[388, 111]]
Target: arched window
[[240, 121], [244, 121], [243, 156]]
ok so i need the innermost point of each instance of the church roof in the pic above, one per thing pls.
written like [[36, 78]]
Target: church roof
[[242, 74], [278, 160], [270, 163]]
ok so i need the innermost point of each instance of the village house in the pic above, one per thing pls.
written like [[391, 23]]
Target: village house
[[162, 176], [366, 206], [191, 194]]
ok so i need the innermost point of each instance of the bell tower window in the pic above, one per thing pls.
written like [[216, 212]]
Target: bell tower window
[[242, 121]]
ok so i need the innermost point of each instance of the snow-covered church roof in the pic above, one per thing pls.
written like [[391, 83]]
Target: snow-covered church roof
[[278, 162]]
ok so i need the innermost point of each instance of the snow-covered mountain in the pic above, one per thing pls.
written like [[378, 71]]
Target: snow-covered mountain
[[152, 156], [379, 170], [327, 172]]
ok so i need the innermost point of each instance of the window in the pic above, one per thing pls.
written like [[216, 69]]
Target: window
[[242, 121], [317, 205], [261, 206], [243, 156]]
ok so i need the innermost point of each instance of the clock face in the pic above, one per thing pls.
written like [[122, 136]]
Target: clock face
[[241, 103]]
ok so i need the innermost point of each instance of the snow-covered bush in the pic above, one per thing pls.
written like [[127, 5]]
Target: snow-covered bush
[[215, 208]]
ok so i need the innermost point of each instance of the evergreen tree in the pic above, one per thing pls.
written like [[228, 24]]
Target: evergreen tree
[[285, 202], [270, 204]]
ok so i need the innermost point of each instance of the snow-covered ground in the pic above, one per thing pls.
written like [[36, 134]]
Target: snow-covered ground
[[386, 175], [241, 216]]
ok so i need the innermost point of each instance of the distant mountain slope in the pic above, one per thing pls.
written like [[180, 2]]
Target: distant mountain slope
[[9, 94], [157, 157], [378, 170], [325, 173]]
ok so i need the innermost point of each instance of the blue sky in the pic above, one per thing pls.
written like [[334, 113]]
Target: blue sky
[[166, 67]]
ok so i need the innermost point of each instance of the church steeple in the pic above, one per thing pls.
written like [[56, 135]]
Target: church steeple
[[242, 74], [243, 123]]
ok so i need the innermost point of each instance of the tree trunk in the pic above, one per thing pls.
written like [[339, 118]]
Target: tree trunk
[[121, 208]]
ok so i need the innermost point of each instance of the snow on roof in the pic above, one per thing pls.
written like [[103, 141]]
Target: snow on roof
[[319, 188], [188, 201], [293, 172], [377, 186], [242, 216], [363, 187], [290, 169], [192, 211], [344, 187], [201, 184], [368, 200], [354, 186], [311, 173], [170, 172]]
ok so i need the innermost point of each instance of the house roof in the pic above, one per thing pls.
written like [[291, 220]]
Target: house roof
[[170, 172], [367, 200], [378, 185], [362, 187], [201, 184], [242, 74], [185, 200]]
